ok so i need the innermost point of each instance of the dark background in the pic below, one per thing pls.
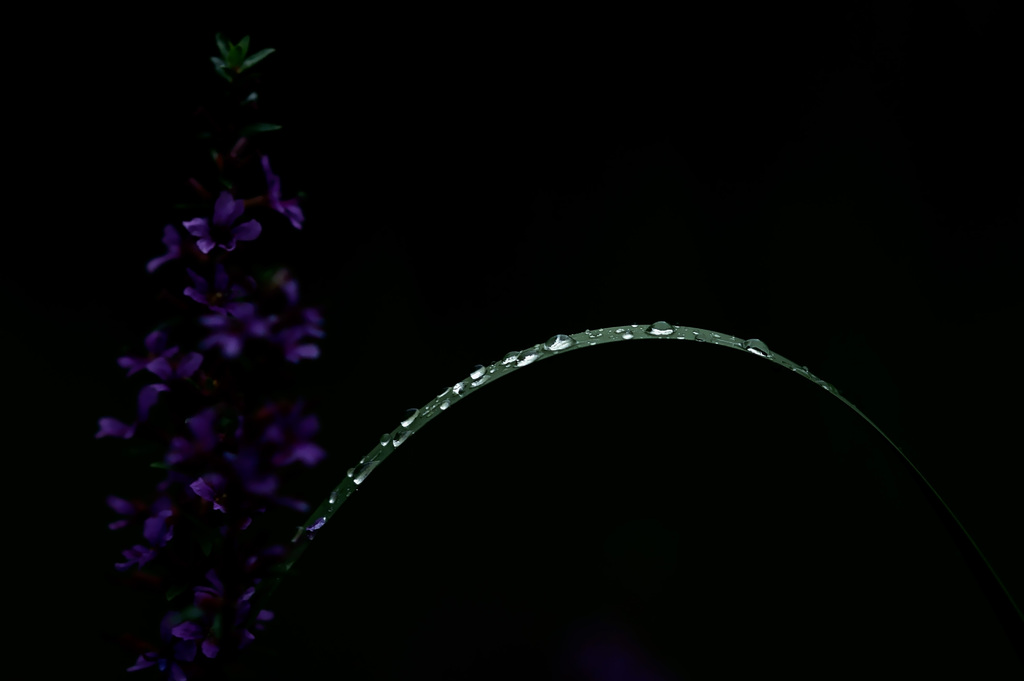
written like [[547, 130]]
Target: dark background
[[844, 185]]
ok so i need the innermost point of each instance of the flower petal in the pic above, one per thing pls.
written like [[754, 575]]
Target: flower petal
[[157, 530], [189, 364], [143, 662], [200, 487], [161, 367], [122, 506], [190, 631], [226, 210], [111, 427], [293, 212], [156, 341], [173, 243], [247, 231], [198, 227], [147, 398], [210, 648]]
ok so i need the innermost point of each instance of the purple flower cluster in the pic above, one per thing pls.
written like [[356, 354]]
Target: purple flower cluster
[[209, 407]]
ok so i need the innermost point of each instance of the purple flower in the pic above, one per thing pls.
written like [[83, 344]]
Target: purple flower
[[158, 529], [211, 488], [204, 438], [221, 233], [190, 631], [263, 485], [173, 242], [182, 367], [158, 361], [212, 599], [311, 530], [230, 332], [261, 617], [125, 508], [291, 435], [229, 463], [215, 296], [111, 427], [156, 343], [289, 207], [166, 659], [293, 349], [147, 398], [137, 555], [291, 338]]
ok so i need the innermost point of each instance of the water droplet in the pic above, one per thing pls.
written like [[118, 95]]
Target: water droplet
[[364, 471], [660, 329], [510, 357], [757, 347], [311, 530], [400, 438], [619, 330], [528, 357], [559, 342], [458, 387], [410, 416], [445, 405], [351, 472], [480, 381], [627, 335], [702, 336], [477, 372], [444, 392], [334, 497], [385, 438]]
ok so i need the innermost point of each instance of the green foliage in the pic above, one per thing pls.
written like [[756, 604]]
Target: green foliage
[[232, 60], [560, 344]]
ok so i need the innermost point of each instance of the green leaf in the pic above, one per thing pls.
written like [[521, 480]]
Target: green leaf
[[205, 545], [222, 70], [221, 67], [174, 591], [222, 46], [159, 464], [192, 612], [243, 45], [256, 128], [235, 56], [259, 56], [218, 625], [561, 344]]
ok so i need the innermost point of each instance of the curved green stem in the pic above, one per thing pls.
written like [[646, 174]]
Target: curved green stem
[[558, 345]]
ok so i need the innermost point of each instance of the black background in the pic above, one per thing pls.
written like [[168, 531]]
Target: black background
[[844, 185]]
